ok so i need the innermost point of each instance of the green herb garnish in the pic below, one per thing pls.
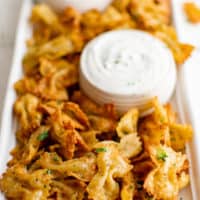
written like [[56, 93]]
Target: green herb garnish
[[55, 158], [43, 136], [48, 171], [99, 150], [135, 17], [131, 187], [125, 132], [161, 155]]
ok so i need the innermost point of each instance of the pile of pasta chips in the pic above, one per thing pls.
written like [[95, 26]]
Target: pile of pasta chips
[[68, 147]]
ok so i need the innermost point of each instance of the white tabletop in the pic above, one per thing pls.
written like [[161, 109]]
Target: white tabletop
[[9, 11]]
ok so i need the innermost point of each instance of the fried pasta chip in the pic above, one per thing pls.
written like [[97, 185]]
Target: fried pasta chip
[[31, 148], [169, 175], [110, 19], [68, 189], [171, 114], [53, 49], [160, 114], [102, 124], [42, 13], [17, 183], [91, 108], [168, 35], [71, 19], [128, 187], [180, 134], [121, 5], [102, 119], [128, 123], [55, 77], [152, 133], [63, 115], [149, 14], [75, 111], [130, 143], [155, 129], [83, 168], [26, 109], [63, 73], [192, 12], [63, 131], [90, 137], [111, 165], [44, 88]]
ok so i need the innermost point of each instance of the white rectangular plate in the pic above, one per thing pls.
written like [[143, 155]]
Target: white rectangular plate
[[8, 125]]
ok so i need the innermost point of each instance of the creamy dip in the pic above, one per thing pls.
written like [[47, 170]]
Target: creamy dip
[[128, 64]]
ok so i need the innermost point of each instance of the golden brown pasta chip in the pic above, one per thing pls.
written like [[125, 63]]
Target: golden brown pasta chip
[[165, 180], [111, 165], [26, 109], [180, 134], [192, 12], [128, 187], [130, 145], [128, 123]]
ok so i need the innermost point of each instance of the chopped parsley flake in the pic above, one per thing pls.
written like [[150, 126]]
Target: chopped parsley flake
[[125, 132], [48, 171], [131, 187], [99, 150], [55, 158], [161, 155], [43, 136], [135, 17]]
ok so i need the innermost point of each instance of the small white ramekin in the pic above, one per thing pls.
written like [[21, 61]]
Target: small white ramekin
[[162, 86]]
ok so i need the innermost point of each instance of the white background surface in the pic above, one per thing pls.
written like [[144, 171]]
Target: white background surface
[[9, 12]]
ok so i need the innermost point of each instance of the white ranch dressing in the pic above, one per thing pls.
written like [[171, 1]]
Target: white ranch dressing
[[127, 67]]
